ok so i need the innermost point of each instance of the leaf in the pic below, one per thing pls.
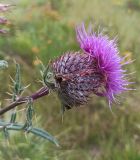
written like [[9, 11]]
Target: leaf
[[29, 115], [13, 117], [30, 111], [18, 86], [3, 64], [44, 134], [6, 133], [36, 131], [15, 127]]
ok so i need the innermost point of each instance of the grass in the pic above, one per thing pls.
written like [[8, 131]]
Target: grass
[[46, 30]]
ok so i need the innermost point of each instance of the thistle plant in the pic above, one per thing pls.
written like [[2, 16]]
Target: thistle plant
[[16, 98], [75, 76]]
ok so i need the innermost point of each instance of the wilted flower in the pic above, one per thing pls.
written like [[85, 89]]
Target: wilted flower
[[98, 70]]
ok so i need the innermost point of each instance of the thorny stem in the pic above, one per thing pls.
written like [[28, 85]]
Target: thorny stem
[[38, 94]]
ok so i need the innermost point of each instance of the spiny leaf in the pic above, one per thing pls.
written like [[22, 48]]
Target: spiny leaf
[[29, 115], [30, 110], [36, 131], [18, 87], [44, 134]]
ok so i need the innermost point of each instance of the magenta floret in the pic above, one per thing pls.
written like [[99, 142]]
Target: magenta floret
[[109, 62]]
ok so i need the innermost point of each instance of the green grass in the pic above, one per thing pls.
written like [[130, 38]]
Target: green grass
[[46, 30]]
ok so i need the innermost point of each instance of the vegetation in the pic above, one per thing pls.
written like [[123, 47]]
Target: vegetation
[[46, 29]]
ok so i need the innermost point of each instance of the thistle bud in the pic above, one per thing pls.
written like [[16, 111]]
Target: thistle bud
[[96, 70]]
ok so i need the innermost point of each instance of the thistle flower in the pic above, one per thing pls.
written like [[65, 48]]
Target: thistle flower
[[3, 21], [4, 7], [74, 76], [97, 69]]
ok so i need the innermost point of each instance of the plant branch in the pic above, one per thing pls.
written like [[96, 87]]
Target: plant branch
[[38, 94]]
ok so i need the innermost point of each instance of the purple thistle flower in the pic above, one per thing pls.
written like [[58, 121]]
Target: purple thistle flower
[[109, 63], [5, 7], [3, 20], [98, 69]]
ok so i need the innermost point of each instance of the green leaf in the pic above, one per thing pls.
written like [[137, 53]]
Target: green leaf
[[29, 115], [30, 111], [16, 127], [18, 87], [6, 133], [36, 131], [44, 134], [13, 117]]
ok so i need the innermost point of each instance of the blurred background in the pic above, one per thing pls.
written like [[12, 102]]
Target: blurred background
[[46, 29]]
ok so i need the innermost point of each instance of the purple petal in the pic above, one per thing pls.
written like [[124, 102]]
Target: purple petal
[[109, 62]]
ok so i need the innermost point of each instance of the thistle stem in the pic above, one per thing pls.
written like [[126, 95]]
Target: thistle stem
[[38, 94]]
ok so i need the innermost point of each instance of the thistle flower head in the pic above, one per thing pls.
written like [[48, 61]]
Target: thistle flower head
[[109, 63], [97, 69]]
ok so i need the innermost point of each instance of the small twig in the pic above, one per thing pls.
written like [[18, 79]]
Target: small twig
[[38, 94]]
